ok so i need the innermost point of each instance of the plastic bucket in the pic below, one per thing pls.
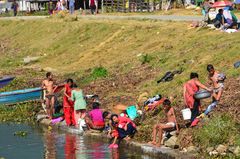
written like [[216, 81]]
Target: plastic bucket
[[132, 112], [186, 113]]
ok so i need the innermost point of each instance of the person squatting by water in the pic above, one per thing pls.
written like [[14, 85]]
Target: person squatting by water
[[169, 126], [94, 119], [112, 131], [125, 127]]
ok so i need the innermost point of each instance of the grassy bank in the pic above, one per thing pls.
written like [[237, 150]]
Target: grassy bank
[[76, 47], [121, 59], [22, 113]]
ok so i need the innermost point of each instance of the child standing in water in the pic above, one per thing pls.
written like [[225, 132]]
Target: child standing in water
[[79, 104]]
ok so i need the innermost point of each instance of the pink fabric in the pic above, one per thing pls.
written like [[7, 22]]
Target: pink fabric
[[57, 120], [96, 115], [191, 89]]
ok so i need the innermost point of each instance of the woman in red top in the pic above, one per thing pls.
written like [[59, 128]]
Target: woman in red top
[[126, 128], [189, 89], [68, 104]]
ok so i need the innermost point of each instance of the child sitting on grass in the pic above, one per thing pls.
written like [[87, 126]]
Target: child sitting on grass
[[169, 126]]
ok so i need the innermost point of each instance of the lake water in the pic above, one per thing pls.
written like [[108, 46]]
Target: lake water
[[41, 143]]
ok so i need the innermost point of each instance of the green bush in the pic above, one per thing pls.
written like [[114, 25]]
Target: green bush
[[99, 72], [219, 130], [146, 59]]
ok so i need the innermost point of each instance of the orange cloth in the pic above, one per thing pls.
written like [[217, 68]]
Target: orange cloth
[[191, 89]]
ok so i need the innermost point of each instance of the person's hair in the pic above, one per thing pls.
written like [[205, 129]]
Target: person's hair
[[210, 67], [48, 74], [95, 105], [69, 80], [193, 75], [220, 10], [113, 115], [167, 102], [105, 114], [74, 85]]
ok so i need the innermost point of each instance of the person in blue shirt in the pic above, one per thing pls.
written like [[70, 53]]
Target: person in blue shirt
[[71, 6], [220, 21]]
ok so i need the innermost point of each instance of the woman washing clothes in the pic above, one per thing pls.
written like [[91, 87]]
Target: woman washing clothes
[[189, 89], [95, 119], [68, 104], [125, 127], [79, 104]]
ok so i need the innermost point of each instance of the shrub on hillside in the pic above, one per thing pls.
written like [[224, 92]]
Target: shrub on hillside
[[146, 59], [219, 130], [99, 72]]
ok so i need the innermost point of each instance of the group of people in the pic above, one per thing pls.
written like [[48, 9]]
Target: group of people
[[120, 126], [74, 104], [191, 87], [222, 18], [76, 114], [70, 5], [216, 82]]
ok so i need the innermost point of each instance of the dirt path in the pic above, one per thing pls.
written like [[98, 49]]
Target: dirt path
[[115, 17]]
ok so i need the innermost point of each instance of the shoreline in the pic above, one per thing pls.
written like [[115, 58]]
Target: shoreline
[[152, 151]]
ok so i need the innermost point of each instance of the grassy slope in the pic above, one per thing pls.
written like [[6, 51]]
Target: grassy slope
[[75, 46]]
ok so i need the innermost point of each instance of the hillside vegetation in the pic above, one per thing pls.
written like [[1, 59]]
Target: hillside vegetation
[[76, 47], [118, 59]]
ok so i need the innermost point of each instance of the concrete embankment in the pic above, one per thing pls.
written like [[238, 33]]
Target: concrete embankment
[[162, 152]]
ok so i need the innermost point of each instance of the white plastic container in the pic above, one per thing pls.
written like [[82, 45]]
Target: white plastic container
[[186, 113]]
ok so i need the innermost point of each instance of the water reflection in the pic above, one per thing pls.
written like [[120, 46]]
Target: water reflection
[[42, 143], [49, 145], [70, 146], [79, 147]]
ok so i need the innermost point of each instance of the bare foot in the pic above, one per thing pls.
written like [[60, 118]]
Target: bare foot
[[127, 138], [158, 144], [152, 143]]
